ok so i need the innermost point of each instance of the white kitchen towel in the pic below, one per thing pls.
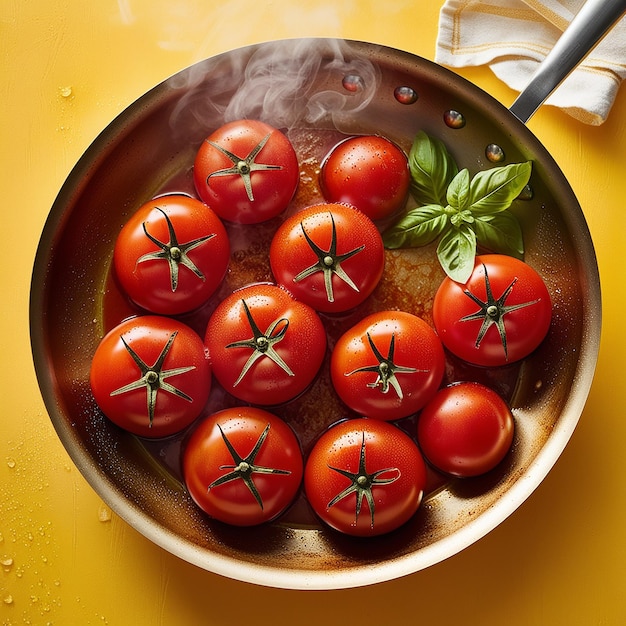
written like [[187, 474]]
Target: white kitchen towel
[[513, 36]]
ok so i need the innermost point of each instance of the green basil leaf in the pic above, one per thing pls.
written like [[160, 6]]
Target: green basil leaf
[[432, 169], [457, 251], [417, 227], [500, 233], [458, 192], [493, 190]]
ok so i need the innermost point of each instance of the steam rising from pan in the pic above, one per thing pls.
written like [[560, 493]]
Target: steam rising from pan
[[290, 84]]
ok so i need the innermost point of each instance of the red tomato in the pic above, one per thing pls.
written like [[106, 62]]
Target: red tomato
[[266, 348], [330, 256], [388, 365], [365, 477], [500, 315], [466, 430], [369, 172], [243, 466], [151, 375], [171, 255], [246, 171]]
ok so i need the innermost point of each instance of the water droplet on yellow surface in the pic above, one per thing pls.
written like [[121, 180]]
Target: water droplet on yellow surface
[[6, 562], [66, 91], [11, 462], [8, 599], [104, 513]]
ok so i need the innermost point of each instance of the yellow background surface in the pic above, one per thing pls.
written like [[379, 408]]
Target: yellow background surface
[[68, 67]]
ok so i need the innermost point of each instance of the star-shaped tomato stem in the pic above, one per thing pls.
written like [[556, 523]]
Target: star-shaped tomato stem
[[328, 262], [262, 343], [493, 310], [361, 484], [244, 467], [173, 252], [385, 369], [243, 166], [153, 377]]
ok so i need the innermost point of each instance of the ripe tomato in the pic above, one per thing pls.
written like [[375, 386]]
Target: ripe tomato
[[243, 466], [151, 375], [388, 365], [246, 171], [466, 430], [369, 172], [330, 256], [266, 348], [364, 477], [171, 255], [500, 315]]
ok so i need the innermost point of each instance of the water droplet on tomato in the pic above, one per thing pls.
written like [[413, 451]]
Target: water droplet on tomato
[[405, 95]]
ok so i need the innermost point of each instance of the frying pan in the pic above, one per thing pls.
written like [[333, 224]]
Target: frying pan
[[334, 87]]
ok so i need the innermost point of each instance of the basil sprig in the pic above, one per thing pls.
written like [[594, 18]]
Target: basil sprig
[[463, 211]]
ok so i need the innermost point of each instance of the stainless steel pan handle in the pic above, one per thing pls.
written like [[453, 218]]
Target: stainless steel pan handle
[[587, 28]]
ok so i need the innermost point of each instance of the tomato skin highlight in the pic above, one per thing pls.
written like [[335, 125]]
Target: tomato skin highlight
[[466, 430], [369, 172], [397, 491], [299, 264], [272, 185], [299, 342], [417, 354], [113, 368], [525, 327], [206, 459], [149, 281]]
